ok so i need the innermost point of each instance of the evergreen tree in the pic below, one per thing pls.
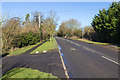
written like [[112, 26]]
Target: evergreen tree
[[107, 24]]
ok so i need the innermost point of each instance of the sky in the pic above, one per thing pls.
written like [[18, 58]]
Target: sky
[[84, 12]]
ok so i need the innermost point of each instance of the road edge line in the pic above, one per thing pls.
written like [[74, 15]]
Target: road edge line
[[64, 67]]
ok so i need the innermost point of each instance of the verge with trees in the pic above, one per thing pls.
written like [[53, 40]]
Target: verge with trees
[[105, 27], [17, 33]]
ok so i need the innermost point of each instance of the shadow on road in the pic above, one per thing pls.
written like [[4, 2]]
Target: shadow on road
[[46, 62], [27, 52], [3, 55]]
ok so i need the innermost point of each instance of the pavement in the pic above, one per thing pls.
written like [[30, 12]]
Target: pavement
[[49, 62], [84, 60]]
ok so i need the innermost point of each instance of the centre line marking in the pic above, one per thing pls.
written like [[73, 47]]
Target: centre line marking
[[111, 60], [91, 50]]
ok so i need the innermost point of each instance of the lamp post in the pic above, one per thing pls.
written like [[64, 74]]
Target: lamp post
[[40, 28], [1, 25], [41, 31], [82, 32], [39, 20]]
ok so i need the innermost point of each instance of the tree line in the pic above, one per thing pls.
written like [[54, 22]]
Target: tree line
[[17, 33], [105, 26], [70, 28]]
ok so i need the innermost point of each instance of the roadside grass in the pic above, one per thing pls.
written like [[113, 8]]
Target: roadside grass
[[87, 41], [117, 48], [27, 73], [47, 46], [100, 43], [21, 50]]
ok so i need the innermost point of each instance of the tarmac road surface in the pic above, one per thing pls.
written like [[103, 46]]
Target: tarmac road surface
[[84, 60]]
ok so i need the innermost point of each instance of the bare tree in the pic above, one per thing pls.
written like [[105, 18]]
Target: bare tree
[[51, 23], [89, 33], [3, 19], [69, 28], [9, 30]]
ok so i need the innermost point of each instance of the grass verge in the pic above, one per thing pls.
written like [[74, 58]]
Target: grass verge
[[48, 45], [100, 43], [87, 41], [21, 50], [27, 73]]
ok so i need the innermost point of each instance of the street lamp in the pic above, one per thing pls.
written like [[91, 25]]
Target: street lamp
[[40, 28], [82, 32]]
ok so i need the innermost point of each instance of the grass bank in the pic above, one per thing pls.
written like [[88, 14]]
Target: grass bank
[[27, 73], [21, 50], [100, 43], [47, 46]]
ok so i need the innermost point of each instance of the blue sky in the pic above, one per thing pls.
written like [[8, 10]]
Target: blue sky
[[81, 11]]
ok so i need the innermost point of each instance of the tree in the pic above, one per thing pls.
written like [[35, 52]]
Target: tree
[[78, 32], [70, 28], [106, 24], [10, 29], [89, 33], [36, 16], [27, 18], [3, 19], [50, 24], [33, 25], [62, 30]]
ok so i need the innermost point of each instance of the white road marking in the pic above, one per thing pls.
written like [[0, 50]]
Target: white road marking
[[91, 50], [64, 67], [110, 60], [84, 47]]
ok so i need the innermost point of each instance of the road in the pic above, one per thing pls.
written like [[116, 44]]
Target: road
[[46, 62], [84, 60]]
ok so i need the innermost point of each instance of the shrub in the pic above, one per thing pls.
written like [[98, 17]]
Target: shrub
[[26, 39]]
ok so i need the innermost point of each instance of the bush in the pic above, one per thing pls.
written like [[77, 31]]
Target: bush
[[26, 39]]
